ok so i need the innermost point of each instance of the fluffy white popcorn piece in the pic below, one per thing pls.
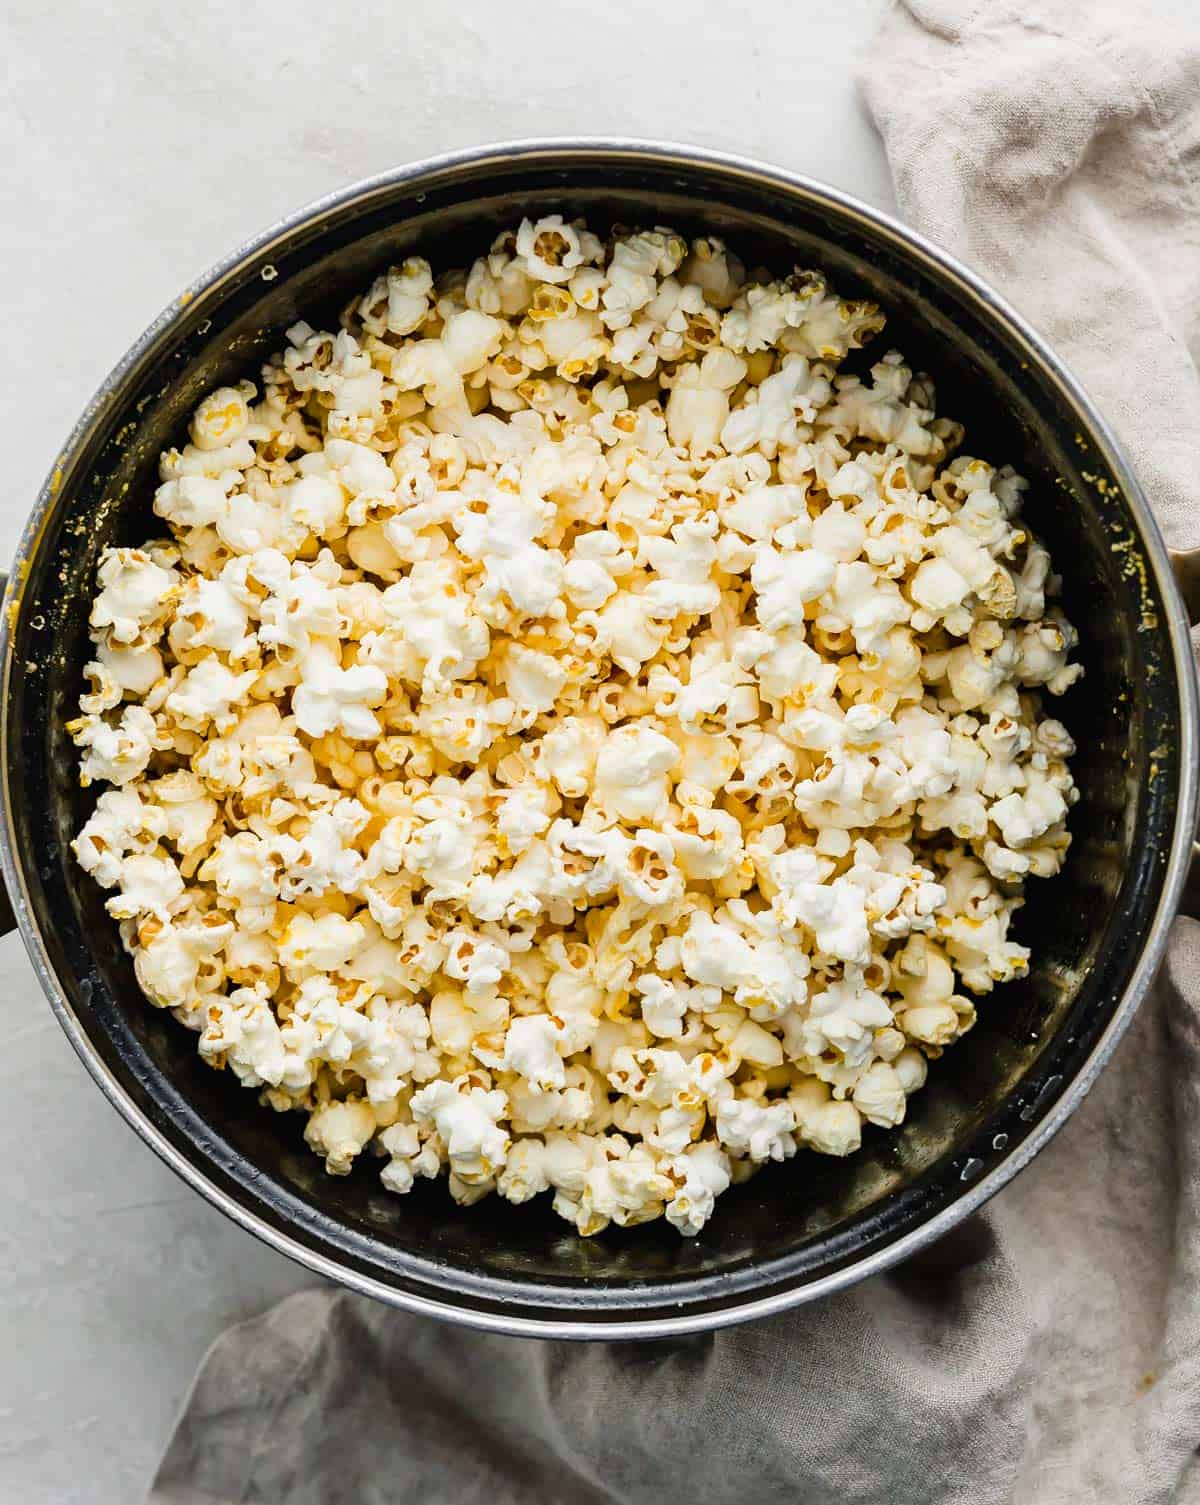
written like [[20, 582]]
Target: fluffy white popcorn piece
[[330, 698], [210, 615], [768, 418], [340, 1131], [531, 1050], [114, 752], [522, 816], [525, 1172], [209, 692], [134, 598], [149, 883], [548, 249], [718, 695], [320, 942], [835, 912], [683, 565], [843, 1019], [586, 584], [118, 671], [466, 1118], [575, 738], [1024, 816], [701, 1174], [632, 769], [699, 403], [664, 1006], [706, 843], [823, 1123], [323, 857], [767, 977], [241, 1031], [221, 418], [176, 967], [759, 1132], [568, 753], [122, 823], [432, 636], [879, 1095], [410, 1157], [193, 501], [472, 959], [533, 680], [785, 583], [398, 302]]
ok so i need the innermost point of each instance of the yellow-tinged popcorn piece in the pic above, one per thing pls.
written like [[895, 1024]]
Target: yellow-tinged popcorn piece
[[576, 738]]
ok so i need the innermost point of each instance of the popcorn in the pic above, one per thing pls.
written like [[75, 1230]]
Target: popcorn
[[531, 1050], [240, 1031], [1024, 816], [879, 1095], [135, 596], [548, 249], [478, 962], [118, 671], [587, 585], [330, 698], [150, 883], [760, 1133], [222, 418], [701, 1174], [525, 1170], [168, 967], [208, 693], [532, 679], [575, 738], [115, 752], [823, 1123], [843, 1018], [706, 843], [410, 1157], [320, 943], [398, 302], [120, 824], [836, 914], [466, 1118], [340, 1131], [632, 768], [664, 1006], [209, 615], [699, 403], [769, 419], [432, 636], [786, 583]]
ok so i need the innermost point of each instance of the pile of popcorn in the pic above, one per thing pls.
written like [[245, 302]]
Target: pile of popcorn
[[574, 738]]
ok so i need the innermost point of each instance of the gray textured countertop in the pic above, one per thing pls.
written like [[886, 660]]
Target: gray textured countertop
[[142, 142]]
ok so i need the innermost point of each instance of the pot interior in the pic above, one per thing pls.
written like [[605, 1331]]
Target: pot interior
[[794, 1222]]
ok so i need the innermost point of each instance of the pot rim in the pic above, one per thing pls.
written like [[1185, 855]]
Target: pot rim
[[947, 268]]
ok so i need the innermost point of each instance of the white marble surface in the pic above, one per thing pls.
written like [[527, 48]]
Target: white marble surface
[[140, 143]]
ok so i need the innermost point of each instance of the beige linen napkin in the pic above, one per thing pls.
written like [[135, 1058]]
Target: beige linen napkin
[[1054, 146]]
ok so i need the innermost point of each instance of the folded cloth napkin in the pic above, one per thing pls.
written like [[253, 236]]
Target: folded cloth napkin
[[1053, 1358]]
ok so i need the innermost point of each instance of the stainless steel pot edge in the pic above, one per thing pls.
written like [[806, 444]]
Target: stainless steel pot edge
[[945, 265]]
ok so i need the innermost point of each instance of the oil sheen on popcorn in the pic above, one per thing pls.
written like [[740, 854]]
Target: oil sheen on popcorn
[[570, 738]]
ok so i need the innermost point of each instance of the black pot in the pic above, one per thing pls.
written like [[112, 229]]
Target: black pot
[[798, 1230]]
